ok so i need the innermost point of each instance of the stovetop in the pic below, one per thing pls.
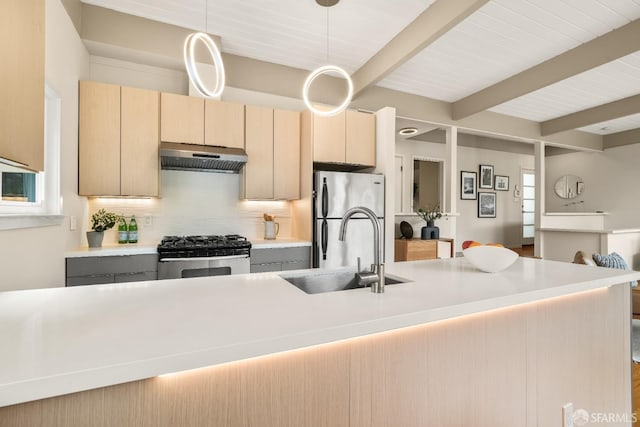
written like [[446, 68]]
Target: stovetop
[[203, 246]]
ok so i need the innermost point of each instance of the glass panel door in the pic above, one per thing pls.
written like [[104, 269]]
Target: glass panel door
[[528, 206]]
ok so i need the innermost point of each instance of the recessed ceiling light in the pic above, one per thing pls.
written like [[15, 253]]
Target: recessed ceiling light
[[605, 128], [408, 131]]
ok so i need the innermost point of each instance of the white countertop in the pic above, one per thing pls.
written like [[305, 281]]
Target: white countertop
[[586, 230], [113, 250], [576, 213], [279, 243], [61, 340]]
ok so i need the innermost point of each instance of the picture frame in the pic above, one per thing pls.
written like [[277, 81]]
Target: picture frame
[[486, 177], [501, 183], [468, 185], [486, 205]]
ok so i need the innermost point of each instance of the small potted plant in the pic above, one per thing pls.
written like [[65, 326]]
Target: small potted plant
[[100, 221], [429, 215]]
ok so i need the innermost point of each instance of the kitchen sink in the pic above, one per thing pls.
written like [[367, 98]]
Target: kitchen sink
[[320, 281]]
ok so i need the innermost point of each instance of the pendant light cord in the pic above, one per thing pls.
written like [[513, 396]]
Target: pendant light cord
[[206, 16], [327, 58]]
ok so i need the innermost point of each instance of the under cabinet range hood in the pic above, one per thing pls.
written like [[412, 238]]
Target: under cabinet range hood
[[203, 158]]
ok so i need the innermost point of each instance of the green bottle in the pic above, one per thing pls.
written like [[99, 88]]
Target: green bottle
[[123, 234], [133, 230]]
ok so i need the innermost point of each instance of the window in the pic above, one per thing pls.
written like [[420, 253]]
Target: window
[[24, 192]]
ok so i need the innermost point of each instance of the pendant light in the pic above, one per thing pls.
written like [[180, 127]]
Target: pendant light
[[324, 70], [190, 62]]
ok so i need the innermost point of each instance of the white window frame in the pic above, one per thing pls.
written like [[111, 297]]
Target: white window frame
[[48, 192]]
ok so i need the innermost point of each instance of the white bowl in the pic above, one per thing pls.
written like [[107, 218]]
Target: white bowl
[[490, 259]]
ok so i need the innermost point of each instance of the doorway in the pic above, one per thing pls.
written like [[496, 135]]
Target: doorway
[[528, 208]]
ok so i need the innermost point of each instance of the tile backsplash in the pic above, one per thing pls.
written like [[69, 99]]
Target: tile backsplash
[[195, 203]]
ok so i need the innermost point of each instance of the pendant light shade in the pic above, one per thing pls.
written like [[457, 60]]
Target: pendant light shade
[[324, 70], [192, 71]]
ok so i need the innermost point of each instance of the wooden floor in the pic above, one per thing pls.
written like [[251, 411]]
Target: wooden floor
[[525, 251]]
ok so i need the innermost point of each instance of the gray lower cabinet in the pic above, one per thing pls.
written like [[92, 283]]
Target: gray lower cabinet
[[98, 270], [280, 259]]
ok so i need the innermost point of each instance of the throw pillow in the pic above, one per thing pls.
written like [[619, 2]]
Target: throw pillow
[[613, 260]]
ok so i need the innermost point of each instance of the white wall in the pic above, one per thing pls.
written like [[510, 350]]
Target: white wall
[[34, 258], [610, 183], [506, 227]]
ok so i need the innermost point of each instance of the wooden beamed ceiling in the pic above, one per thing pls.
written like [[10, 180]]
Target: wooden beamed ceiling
[[609, 47]]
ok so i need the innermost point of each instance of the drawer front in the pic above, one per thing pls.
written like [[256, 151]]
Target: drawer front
[[296, 265], [93, 279], [422, 249], [266, 267], [261, 256], [87, 266], [136, 277]]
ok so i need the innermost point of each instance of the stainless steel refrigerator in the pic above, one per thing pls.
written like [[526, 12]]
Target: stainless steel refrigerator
[[334, 193]]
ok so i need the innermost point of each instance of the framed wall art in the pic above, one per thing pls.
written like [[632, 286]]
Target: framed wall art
[[486, 177], [486, 205], [501, 183], [468, 185]]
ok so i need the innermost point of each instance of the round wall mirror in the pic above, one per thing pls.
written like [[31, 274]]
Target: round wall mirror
[[569, 186]]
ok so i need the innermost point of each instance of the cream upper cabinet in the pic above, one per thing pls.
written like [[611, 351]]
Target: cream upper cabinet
[[348, 137], [258, 172], [182, 119], [224, 124], [22, 82], [286, 155], [118, 140], [360, 138], [99, 139], [139, 142], [273, 147], [329, 138]]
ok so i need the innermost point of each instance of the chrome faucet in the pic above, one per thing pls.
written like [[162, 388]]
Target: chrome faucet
[[376, 275]]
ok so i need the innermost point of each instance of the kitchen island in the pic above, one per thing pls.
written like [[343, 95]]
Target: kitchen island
[[451, 346]]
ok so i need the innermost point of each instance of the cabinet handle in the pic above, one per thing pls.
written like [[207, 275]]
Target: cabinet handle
[[325, 237], [325, 198]]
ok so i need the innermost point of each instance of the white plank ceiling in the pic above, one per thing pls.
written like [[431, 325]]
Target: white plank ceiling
[[501, 39], [287, 32]]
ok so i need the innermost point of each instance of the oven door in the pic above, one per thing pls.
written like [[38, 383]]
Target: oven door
[[182, 268]]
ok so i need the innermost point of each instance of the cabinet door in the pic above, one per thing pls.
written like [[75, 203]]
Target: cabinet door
[[22, 82], [286, 155], [139, 142], [361, 138], [99, 139], [182, 119], [258, 172], [329, 138], [223, 124]]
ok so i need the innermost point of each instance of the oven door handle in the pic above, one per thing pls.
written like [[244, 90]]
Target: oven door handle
[[205, 258]]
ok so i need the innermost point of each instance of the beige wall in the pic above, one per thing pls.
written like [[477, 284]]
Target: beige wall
[[34, 258]]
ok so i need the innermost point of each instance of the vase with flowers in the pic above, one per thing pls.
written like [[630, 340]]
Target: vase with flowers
[[100, 221], [429, 215]]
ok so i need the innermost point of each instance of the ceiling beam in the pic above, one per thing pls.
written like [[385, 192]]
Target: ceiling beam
[[601, 50], [601, 113], [430, 25], [619, 139]]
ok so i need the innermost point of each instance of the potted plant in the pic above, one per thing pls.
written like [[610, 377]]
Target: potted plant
[[100, 221], [429, 215]]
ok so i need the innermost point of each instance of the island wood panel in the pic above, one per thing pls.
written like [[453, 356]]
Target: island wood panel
[[258, 172], [329, 138], [181, 118], [581, 361], [139, 142], [99, 139], [286, 155], [22, 48], [512, 366], [360, 134], [223, 124]]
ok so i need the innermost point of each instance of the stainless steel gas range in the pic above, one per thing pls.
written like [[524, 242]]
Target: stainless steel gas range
[[198, 256]]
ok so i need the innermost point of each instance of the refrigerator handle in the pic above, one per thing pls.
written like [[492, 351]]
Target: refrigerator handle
[[325, 198], [325, 237]]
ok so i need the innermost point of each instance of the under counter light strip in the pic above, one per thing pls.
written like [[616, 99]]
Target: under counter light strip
[[316, 73], [190, 64]]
